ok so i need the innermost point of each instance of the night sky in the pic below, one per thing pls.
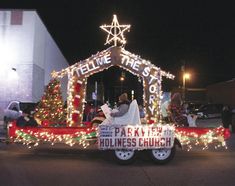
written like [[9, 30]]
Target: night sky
[[168, 33]]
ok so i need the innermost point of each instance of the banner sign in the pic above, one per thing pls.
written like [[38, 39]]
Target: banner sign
[[135, 137]]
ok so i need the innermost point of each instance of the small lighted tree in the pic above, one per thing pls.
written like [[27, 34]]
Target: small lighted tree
[[50, 108]]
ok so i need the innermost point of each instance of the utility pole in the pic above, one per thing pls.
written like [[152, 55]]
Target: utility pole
[[96, 96], [183, 85], [185, 76]]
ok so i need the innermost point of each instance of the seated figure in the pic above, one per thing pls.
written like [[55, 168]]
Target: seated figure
[[131, 117], [123, 106]]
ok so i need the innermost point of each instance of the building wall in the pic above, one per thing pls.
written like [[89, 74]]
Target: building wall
[[194, 95], [17, 40], [223, 93], [30, 50], [47, 57], [54, 60], [16, 46]]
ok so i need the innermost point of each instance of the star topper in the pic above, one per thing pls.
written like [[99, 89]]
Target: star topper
[[115, 32]]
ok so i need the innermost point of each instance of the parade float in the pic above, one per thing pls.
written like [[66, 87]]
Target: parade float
[[124, 139]]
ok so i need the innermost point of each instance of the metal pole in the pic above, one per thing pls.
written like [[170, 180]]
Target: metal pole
[[121, 87], [183, 87], [183, 96], [96, 96]]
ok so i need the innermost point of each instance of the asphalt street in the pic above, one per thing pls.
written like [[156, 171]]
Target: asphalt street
[[63, 165]]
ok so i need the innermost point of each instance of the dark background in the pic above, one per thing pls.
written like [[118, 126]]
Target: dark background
[[199, 34]]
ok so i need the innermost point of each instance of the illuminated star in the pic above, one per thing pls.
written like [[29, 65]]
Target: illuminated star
[[54, 74], [115, 32]]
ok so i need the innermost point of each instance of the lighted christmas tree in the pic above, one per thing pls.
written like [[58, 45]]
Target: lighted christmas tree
[[50, 108]]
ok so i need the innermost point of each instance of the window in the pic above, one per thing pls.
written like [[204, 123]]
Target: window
[[14, 107], [16, 17]]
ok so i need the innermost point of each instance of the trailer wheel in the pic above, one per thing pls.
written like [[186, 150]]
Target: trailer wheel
[[124, 156], [162, 156]]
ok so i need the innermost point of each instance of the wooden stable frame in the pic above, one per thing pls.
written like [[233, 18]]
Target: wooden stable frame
[[113, 56]]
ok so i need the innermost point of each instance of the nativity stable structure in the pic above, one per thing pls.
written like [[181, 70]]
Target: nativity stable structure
[[78, 73]]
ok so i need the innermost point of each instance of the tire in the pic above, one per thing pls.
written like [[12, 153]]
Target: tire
[[5, 123], [162, 156], [124, 156]]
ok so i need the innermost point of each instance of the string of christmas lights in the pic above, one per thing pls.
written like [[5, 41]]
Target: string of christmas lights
[[72, 72], [31, 138], [83, 69], [187, 138], [50, 107], [190, 138], [115, 32]]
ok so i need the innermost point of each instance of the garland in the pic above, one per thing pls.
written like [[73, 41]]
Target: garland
[[211, 137], [31, 138], [187, 139]]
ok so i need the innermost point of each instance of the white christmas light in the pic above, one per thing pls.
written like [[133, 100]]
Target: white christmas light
[[115, 32]]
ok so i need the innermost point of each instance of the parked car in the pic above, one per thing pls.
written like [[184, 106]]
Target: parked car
[[209, 111], [192, 107], [14, 110]]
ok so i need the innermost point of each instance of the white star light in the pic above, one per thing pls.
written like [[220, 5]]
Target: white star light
[[115, 32]]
